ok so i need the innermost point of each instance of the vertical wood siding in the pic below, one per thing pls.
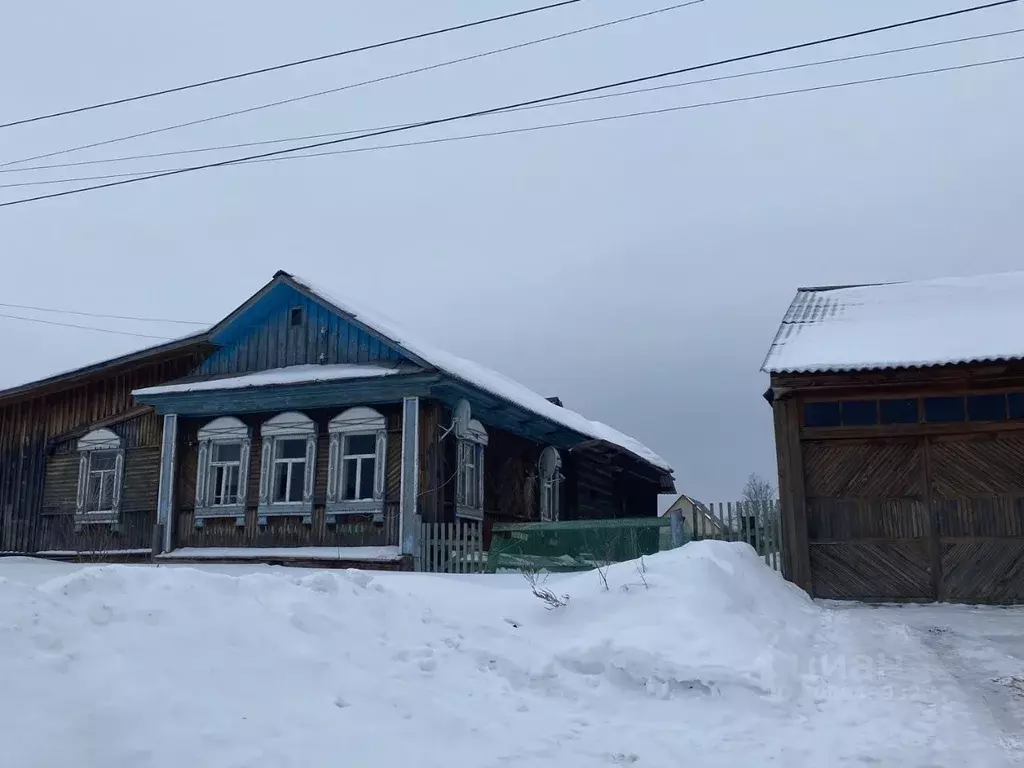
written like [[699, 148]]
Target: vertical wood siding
[[271, 341], [30, 426]]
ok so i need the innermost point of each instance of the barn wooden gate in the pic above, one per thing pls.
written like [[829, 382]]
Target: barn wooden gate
[[936, 517]]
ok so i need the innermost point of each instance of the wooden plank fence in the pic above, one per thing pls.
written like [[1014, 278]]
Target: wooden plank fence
[[452, 547], [756, 523], [458, 547]]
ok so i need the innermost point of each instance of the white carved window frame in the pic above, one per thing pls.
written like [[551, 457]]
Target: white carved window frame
[[549, 471], [290, 425], [469, 485], [225, 430], [90, 447], [359, 421]]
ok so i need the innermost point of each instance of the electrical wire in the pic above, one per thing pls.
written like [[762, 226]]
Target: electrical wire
[[287, 65], [493, 110], [106, 317], [350, 86], [548, 105], [85, 327], [546, 126]]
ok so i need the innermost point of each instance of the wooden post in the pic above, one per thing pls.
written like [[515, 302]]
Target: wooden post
[[796, 556], [165, 486], [408, 517]]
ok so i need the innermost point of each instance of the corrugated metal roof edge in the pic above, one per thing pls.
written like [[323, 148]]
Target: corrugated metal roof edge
[[891, 366], [783, 322]]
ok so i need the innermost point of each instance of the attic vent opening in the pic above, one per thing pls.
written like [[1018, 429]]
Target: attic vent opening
[[295, 317]]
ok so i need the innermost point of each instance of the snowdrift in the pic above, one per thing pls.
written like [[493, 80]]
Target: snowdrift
[[256, 666]]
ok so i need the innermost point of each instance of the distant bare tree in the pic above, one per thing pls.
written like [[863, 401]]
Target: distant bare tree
[[758, 490], [760, 495]]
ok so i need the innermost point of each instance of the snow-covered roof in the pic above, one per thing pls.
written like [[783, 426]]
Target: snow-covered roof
[[901, 325], [297, 374], [490, 381]]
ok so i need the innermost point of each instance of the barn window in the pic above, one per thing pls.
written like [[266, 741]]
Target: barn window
[[944, 409], [222, 471], [100, 477], [822, 415], [469, 491], [898, 411], [355, 468], [287, 466], [860, 413], [986, 407], [1016, 402], [295, 317]]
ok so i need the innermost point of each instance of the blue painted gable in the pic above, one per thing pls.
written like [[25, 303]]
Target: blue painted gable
[[268, 334]]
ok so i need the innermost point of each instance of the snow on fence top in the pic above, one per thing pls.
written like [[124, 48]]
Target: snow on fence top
[[491, 381], [901, 325]]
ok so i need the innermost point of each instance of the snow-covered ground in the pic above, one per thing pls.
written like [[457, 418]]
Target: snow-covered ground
[[714, 662]]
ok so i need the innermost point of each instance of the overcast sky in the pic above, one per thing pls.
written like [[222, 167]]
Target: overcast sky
[[636, 268]]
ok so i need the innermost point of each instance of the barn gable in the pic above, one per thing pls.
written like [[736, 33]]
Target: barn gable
[[284, 325]]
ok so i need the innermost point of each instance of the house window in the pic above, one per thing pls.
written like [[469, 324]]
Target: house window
[[549, 468], [289, 470], [944, 409], [100, 477], [355, 473], [99, 497], [469, 492], [222, 471], [287, 467], [295, 317], [822, 415], [898, 411]]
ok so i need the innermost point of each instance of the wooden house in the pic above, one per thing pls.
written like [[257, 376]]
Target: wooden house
[[295, 424], [899, 426], [697, 519]]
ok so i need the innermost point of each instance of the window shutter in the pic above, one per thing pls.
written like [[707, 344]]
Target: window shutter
[[243, 471], [307, 491], [83, 482], [118, 481], [480, 470], [265, 469], [378, 466], [333, 465], [202, 474]]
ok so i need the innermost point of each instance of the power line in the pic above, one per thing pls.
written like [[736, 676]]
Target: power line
[[84, 327], [547, 105], [350, 86], [493, 110], [565, 124], [106, 317], [277, 67]]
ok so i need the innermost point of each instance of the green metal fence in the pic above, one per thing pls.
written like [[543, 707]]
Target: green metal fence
[[579, 545]]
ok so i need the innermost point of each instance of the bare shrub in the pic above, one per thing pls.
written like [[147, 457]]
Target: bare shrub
[[537, 580]]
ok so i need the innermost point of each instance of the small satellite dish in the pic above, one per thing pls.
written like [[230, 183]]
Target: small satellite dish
[[549, 464], [462, 414]]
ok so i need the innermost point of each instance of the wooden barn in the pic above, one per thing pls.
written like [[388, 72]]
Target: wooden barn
[[899, 427], [296, 424]]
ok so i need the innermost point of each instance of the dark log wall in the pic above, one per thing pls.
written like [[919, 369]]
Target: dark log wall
[[922, 510], [355, 531], [36, 430]]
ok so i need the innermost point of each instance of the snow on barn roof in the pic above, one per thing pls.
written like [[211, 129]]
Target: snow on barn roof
[[490, 381], [901, 325]]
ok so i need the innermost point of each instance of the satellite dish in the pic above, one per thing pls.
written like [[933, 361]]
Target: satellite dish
[[462, 414], [549, 464]]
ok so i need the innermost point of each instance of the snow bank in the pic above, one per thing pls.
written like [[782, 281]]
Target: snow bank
[[142, 666]]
